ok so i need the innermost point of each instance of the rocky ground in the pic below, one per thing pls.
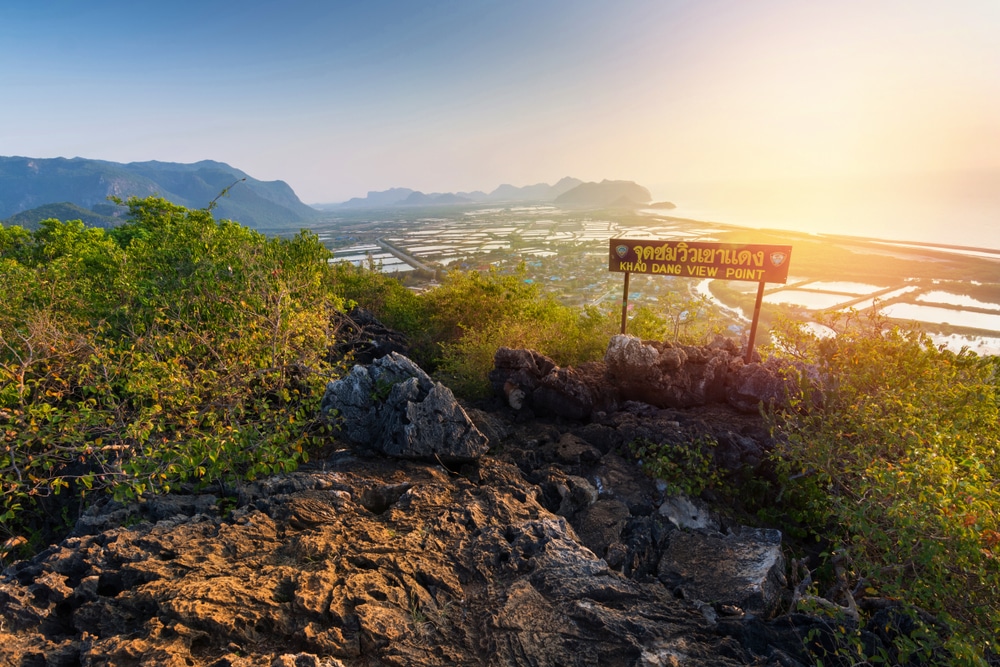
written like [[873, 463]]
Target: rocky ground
[[551, 549]]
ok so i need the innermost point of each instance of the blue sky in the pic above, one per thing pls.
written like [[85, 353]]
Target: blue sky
[[338, 98]]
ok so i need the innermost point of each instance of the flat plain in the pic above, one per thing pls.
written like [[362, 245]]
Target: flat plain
[[951, 292]]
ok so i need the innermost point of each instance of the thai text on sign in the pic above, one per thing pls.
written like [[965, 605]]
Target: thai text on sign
[[702, 259]]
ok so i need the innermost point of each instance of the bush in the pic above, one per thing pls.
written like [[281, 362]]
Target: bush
[[686, 468], [904, 451], [473, 314], [172, 350]]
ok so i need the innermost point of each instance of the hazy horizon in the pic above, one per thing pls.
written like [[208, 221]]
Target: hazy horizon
[[788, 113]]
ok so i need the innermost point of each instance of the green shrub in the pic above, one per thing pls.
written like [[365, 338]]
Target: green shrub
[[904, 449], [473, 314], [686, 467], [172, 350]]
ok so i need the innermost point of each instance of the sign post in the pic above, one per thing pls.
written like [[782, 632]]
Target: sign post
[[701, 259], [625, 302]]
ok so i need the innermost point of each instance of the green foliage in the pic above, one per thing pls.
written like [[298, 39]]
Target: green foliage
[[686, 467], [677, 318], [473, 314], [899, 442], [393, 304], [457, 327], [173, 350]]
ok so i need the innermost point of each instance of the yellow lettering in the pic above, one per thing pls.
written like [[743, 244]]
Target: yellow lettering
[[745, 274], [702, 271]]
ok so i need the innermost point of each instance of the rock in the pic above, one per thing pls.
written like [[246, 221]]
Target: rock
[[557, 550], [447, 571], [735, 452], [393, 407], [575, 494], [600, 525], [746, 568], [666, 375], [629, 360], [572, 392], [660, 374], [685, 513], [571, 449], [621, 479], [362, 338], [756, 385], [518, 369]]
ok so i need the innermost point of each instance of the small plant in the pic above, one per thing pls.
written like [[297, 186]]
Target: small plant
[[687, 468], [382, 390], [417, 614]]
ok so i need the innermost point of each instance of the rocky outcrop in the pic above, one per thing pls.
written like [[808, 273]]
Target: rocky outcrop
[[556, 550], [362, 338], [662, 375], [366, 562], [749, 574], [394, 408]]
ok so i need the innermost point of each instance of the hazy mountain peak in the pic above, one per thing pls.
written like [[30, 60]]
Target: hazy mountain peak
[[538, 192], [607, 193], [29, 183]]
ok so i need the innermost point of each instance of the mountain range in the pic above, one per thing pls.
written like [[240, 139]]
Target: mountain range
[[34, 189], [568, 192], [30, 186]]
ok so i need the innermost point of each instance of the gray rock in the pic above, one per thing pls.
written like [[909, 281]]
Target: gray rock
[[686, 513], [754, 385], [744, 569], [394, 408], [667, 375], [576, 494], [629, 358], [600, 525]]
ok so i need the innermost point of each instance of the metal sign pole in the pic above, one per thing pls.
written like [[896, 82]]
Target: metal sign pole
[[625, 303], [753, 325]]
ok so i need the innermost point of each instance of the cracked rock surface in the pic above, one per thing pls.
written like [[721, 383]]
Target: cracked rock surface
[[554, 549]]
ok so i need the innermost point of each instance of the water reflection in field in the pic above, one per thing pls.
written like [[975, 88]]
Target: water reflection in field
[[844, 287], [934, 314], [952, 299], [810, 300]]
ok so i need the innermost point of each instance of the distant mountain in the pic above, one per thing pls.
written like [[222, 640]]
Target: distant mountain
[[63, 211], [29, 183], [606, 194], [540, 192], [390, 197], [537, 192]]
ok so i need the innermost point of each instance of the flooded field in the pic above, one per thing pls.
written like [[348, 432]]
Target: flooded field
[[566, 254]]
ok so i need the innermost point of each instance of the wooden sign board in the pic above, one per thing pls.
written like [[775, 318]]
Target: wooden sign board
[[702, 259]]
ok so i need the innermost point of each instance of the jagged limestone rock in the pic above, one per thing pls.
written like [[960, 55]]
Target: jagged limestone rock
[[744, 569], [394, 408]]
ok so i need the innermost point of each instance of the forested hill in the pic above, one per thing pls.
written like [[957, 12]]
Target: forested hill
[[28, 183]]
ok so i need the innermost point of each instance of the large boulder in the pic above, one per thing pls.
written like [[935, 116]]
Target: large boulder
[[394, 408], [744, 569], [667, 375], [659, 374]]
